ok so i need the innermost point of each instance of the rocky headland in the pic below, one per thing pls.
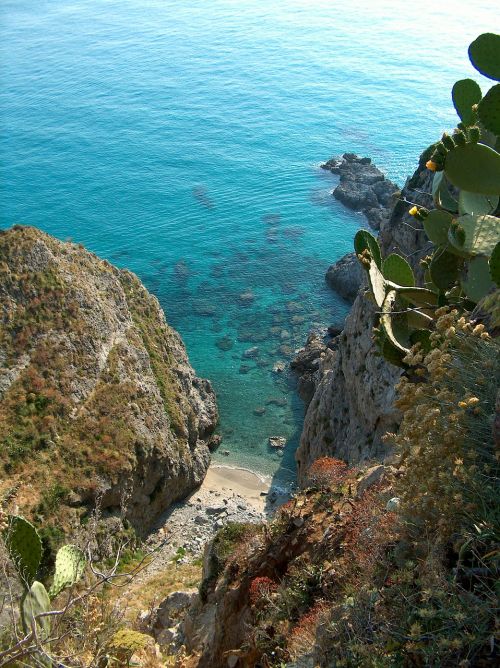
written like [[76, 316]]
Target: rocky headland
[[350, 388], [98, 402], [362, 187]]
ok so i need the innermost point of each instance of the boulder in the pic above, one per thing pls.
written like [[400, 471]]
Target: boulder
[[346, 276]]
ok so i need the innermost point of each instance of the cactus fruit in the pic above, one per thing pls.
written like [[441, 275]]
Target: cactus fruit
[[475, 235], [465, 94], [25, 548], [477, 204], [70, 564], [396, 269], [437, 224], [494, 263], [478, 282], [363, 240], [474, 167], [484, 54], [35, 601], [489, 110]]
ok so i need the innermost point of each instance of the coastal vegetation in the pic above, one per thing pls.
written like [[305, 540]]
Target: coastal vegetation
[[398, 566], [394, 564]]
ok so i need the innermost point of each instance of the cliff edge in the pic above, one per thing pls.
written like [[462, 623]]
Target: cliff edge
[[97, 397], [353, 402]]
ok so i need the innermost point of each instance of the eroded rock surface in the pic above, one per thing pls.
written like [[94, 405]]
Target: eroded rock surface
[[352, 403], [346, 276], [97, 396], [363, 187]]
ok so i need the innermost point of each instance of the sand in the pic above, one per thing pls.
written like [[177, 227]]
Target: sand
[[231, 480]]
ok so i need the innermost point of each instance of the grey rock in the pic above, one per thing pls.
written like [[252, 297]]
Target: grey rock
[[250, 353], [346, 276], [170, 611], [277, 441], [363, 187], [215, 510], [353, 402]]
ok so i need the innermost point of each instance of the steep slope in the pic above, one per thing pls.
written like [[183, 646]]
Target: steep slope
[[97, 397], [353, 403]]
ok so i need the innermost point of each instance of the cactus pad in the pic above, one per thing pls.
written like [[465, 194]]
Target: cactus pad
[[377, 284], [495, 264], [480, 234], [477, 204], [363, 240], [35, 601], [396, 269], [436, 225], [441, 195], [395, 326], [444, 269], [70, 564], [25, 548], [484, 54], [474, 167], [465, 94], [421, 297], [478, 282], [489, 110]]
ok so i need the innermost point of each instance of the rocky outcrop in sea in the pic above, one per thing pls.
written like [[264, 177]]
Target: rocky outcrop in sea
[[98, 400], [352, 402], [363, 187]]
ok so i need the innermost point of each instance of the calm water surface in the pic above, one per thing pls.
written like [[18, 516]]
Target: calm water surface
[[182, 139]]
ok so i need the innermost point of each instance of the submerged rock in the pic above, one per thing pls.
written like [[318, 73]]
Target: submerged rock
[[246, 298], [251, 353], [277, 442], [225, 343]]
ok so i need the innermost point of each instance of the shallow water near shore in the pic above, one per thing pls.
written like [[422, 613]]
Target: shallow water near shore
[[182, 140]]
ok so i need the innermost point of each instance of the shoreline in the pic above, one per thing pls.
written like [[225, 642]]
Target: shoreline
[[257, 489]]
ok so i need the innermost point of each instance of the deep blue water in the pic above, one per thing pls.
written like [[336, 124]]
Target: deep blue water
[[182, 139]]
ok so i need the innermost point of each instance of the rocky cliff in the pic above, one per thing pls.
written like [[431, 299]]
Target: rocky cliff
[[352, 404], [97, 397]]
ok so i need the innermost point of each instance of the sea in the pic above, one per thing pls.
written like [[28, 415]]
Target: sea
[[182, 139]]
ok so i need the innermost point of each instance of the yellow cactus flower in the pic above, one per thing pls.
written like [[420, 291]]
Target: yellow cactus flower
[[430, 164], [413, 211]]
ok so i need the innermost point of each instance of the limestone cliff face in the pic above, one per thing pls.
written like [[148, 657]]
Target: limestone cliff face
[[97, 397], [352, 406]]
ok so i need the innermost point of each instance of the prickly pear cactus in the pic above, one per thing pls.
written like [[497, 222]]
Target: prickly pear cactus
[[70, 564], [464, 267], [25, 548], [35, 601]]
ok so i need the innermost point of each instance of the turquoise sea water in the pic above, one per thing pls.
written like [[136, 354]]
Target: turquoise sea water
[[182, 139]]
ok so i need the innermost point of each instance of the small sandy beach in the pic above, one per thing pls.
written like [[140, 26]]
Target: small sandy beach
[[230, 480]]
